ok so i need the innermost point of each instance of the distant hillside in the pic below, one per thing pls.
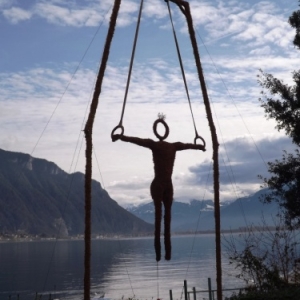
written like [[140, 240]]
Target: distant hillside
[[37, 197], [199, 215]]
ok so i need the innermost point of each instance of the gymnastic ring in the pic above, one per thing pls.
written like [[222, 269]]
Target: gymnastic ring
[[116, 128], [161, 138], [199, 137]]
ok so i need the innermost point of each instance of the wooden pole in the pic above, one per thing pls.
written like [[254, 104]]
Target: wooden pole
[[185, 8], [88, 130]]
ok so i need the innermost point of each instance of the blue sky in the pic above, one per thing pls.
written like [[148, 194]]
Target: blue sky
[[49, 57]]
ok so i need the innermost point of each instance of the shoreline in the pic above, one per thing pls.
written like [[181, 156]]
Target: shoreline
[[7, 238]]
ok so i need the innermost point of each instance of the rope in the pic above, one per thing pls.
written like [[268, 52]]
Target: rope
[[181, 66], [98, 165], [231, 98], [125, 263], [157, 277], [233, 181], [62, 217], [68, 84], [198, 221], [130, 66], [73, 157]]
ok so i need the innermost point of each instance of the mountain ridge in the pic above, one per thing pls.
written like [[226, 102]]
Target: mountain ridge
[[198, 215], [37, 197]]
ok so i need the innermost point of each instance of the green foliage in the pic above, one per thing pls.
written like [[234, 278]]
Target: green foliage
[[266, 258], [255, 266], [294, 21], [268, 262], [281, 102], [269, 259], [291, 292], [285, 186]]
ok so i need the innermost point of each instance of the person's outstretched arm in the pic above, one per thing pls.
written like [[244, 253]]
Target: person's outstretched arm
[[181, 146], [135, 140]]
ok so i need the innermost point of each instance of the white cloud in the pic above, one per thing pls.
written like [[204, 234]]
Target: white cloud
[[241, 161], [257, 24], [240, 166], [155, 9], [67, 16], [6, 3], [156, 87], [68, 13], [16, 14], [266, 28], [266, 50], [30, 96]]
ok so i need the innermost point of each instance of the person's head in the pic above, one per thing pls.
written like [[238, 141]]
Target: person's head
[[161, 119]]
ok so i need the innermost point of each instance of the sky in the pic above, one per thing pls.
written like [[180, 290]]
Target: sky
[[49, 58]]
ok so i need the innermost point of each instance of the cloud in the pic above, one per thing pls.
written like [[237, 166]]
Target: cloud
[[6, 3], [250, 25], [33, 98], [133, 183], [155, 9], [266, 27], [266, 50], [30, 98], [16, 14], [240, 38], [254, 27], [241, 161], [68, 13], [92, 13], [244, 70], [61, 15]]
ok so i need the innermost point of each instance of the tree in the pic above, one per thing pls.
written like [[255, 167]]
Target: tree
[[269, 258], [281, 102], [294, 21], [266, 257], [268, 261]]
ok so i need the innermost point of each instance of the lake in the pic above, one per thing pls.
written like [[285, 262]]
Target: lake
[[120, 268]]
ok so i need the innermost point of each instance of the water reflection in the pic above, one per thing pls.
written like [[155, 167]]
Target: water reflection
[[124, 267]]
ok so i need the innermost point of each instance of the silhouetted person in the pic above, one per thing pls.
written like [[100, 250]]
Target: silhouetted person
[[161, 187]]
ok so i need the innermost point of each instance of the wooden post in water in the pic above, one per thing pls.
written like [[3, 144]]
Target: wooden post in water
[[171, 295], [185, 290], [194, 293], [209, 289]]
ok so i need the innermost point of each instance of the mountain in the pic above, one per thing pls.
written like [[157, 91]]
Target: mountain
[[199, 215], [37, 197], [249, 210], [184, 215]]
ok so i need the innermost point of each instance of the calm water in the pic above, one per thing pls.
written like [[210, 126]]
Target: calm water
[[124, 267]]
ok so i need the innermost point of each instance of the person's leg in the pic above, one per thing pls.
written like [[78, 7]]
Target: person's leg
[[157, 230], [156, 193], [168, 199]]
